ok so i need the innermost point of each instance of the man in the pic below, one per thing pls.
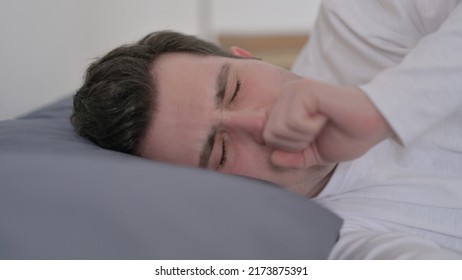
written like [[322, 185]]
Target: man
[[212, 119], [174, 98]]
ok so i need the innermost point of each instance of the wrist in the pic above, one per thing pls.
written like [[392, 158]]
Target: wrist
[[351, 110], [382, 128]]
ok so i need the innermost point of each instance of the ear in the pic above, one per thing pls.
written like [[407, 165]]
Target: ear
[[237, 51]]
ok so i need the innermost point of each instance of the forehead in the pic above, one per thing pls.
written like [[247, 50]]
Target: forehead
[[176, 73], [186, 107]]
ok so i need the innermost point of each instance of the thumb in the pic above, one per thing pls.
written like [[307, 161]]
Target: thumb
[[284, 159], [296, 160]]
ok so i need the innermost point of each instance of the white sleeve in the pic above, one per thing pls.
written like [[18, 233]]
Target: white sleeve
[[426, 86], [370, 245]]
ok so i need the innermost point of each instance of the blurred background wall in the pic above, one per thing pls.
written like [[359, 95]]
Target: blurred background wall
[[46, 45]]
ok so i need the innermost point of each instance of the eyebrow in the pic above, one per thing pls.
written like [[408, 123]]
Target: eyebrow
[[220, 88]]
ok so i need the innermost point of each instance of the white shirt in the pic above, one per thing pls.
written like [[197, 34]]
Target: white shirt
[[397, 201]]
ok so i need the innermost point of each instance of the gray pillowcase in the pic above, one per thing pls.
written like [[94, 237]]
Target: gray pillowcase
[[62, 197]]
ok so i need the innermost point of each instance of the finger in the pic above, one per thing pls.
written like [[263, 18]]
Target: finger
[[292, 138], [288, 160], [288, 145], [291, 124], [315, 123], [297, 160]]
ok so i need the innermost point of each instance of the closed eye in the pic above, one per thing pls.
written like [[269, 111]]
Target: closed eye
[[223, 156], [236, 91]]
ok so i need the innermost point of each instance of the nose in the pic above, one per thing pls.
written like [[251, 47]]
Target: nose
[[249, 123]]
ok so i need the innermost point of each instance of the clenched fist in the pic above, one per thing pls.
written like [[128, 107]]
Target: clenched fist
[[314, 123]]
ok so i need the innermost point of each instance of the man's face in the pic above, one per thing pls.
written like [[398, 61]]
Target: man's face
[[211, 114]]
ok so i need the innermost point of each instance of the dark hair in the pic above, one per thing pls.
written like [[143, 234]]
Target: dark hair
[[117, 100]]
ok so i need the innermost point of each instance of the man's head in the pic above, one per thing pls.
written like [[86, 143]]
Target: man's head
[[175, 98], [114, 106]]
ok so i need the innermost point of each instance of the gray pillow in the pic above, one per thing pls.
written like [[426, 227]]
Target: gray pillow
[[62, 197]]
